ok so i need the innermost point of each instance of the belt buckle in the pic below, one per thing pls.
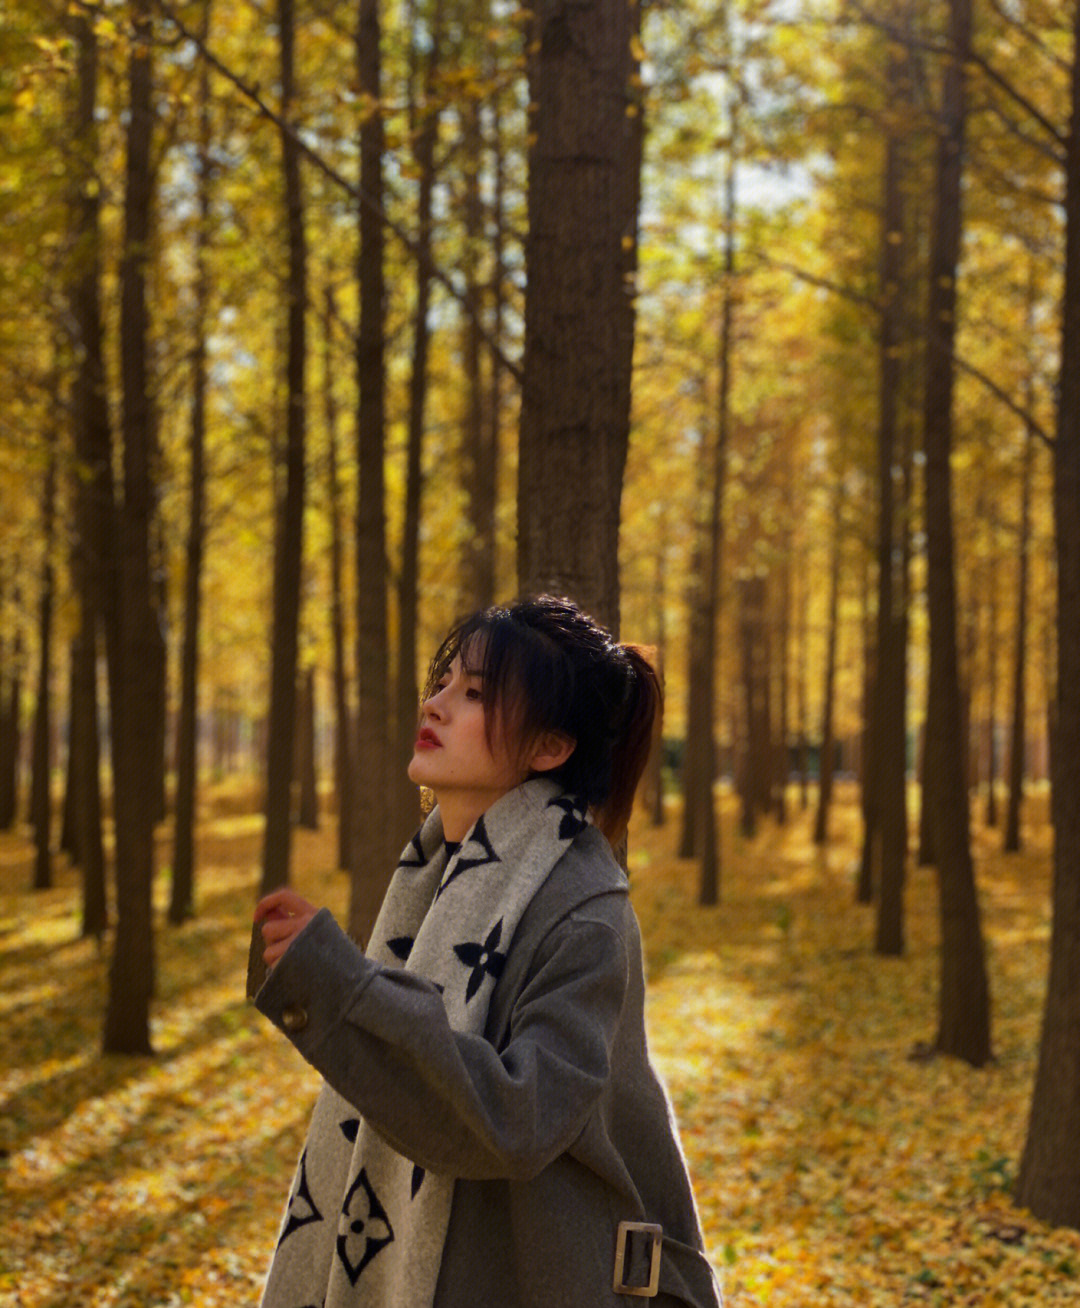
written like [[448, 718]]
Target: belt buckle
[[656, 1234]]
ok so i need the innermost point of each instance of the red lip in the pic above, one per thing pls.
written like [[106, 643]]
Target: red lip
[[427, 739]]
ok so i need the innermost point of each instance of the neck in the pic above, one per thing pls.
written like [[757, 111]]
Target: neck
[[458, 816]]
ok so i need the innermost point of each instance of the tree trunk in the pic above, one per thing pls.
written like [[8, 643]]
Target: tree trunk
[[1049, 1177], [757, 676], [479, 461], [425, 120], [289, 533], [782, 659], [584, 177], [10, 658], [497, 373], [134, 649], [655, 771], [373, 851], [344, 764], [890, 680], [695, 756], [92, 484], [964, 1000], [1018, 723], [182, 903], [828, 737], [991, 684], [69, 839], [41, 767], [307, 809]]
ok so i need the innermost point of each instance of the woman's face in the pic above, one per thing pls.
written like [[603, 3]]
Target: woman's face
[[453, 757]]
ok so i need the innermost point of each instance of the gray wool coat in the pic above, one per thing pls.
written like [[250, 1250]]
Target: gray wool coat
[[553, 1122]]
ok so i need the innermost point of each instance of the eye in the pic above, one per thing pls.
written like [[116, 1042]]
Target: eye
[[474, 692]]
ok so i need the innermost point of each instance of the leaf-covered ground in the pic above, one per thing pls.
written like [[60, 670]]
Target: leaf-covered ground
[[830, 1167]]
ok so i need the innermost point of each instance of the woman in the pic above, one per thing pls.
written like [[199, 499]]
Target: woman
[[491, 1133]]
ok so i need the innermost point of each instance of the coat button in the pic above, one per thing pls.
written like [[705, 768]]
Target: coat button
[[294, 1018]]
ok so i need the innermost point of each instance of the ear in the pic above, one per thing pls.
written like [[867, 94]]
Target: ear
[[551, 750]]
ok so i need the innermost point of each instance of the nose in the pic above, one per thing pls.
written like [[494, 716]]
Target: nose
[[432, 707]]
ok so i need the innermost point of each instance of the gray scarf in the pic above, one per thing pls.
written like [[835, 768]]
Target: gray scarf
[[365, 1226]]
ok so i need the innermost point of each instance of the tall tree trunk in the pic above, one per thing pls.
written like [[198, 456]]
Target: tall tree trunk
[[344, 763], [92, 485], [991, 682], [890, 681], [655, 771], [373, 852], [696, 760], [307, 805], [828, 715], [700, 833], [479, 461], [1018, 718], [11, 721], [425, 128], [133, 654], [497, 375], [1049, 1177], [757, 678], [289, 533], [182, 902], [41, 767], [782, 683], [707, 826], [801, 673], [964, 999], [584, 177]]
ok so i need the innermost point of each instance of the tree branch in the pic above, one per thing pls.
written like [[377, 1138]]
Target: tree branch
[[868, 301], [252, 95]]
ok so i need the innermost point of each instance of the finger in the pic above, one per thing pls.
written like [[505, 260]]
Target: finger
[[277, 928], [282, 903]]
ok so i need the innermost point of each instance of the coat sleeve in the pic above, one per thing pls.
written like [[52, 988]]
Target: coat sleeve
[[449, 1100]]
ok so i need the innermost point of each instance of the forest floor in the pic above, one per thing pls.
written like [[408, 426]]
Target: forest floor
[[831, 1168]]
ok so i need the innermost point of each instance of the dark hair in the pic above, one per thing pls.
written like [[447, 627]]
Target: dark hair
[[551, 667]]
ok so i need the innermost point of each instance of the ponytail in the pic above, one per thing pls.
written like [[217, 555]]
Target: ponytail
[[633, 743]]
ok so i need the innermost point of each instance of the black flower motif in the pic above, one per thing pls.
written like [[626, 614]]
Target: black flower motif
[[477, 851], [414, 855], [301, 1210], [482, 959], [573, 820], [400, 946], [364, 1229]]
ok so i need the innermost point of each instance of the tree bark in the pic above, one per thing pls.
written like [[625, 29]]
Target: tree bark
[[757, 676], [373, 849], [136, 634], [289, 534], [479, 450], [992, 684], [41, 767], [964, 999], [584, 177], [890, 681], [828, 733], [1018, 717], [344, 764], [1049, 1176], [11, 722], [92, 484], [307, 807], [425, 121], [182, 902]]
